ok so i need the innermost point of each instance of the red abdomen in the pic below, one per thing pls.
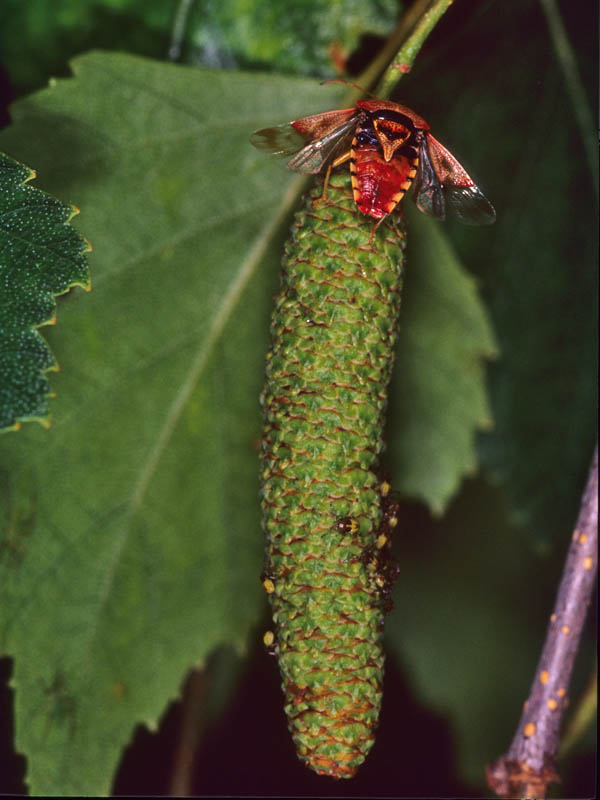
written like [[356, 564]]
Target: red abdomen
[[379, 185]]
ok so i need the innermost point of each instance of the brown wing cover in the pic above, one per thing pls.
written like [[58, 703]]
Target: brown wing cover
[[318, 125]]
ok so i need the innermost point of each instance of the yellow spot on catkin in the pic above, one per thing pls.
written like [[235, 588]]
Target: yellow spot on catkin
[[588, 563], [268, 638], [392, 522], [552, 704], [566, 630], [381, 540], [561, 692], [380, 581], [544, 676], [582, 539], [529, 729], [269, 586], [553, 618], [384, 489]]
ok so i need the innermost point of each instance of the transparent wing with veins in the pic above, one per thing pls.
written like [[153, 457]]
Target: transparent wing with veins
[[329, 135], [280, 140], [317, 154], [442, 184]]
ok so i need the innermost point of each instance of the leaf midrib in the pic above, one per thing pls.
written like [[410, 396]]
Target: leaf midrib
[[150, 465]]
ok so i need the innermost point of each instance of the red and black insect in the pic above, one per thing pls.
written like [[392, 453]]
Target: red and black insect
[[389, 149]]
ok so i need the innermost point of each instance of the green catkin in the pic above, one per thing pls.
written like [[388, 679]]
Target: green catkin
[[332, 342]]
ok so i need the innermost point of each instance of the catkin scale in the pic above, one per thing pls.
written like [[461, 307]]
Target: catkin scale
[[332, 342]]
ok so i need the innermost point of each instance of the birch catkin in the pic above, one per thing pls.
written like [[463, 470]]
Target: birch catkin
[[326, 513]]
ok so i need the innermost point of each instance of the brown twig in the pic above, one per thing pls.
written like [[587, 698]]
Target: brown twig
[[529, 765], [192, 729]]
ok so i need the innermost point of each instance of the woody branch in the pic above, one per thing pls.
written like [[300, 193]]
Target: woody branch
[[529, 765]]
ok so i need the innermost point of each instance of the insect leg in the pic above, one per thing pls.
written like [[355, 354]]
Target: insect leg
[[374, 228], [341, 159], [336, 163]]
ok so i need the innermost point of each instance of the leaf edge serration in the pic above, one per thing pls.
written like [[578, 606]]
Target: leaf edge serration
[[41, 359]]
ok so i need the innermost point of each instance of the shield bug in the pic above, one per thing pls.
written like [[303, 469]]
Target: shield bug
[[389, 149]]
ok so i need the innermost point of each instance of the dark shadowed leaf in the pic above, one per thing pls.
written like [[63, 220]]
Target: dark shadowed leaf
[[471, 607], [41, 256], [438, 399], [514, 126]]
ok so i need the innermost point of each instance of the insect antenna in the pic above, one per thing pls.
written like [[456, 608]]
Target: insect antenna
[[349, 83]]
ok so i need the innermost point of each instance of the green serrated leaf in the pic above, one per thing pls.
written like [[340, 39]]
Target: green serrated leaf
[[41, 256], [134, 545], [438, 396], [131, 543]]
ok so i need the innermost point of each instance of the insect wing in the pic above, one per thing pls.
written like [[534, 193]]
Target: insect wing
[[318, 125], [322, 132], [462, 197], [428, 193], [281, 140], [313, 157], [470, 206]]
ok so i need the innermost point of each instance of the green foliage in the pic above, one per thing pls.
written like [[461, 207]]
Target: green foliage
[[471, 655], [157, 406], [41, 257], [144, 497], [295, 36], [59, 29], [517, 127], [438, 397], [130, 544]]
